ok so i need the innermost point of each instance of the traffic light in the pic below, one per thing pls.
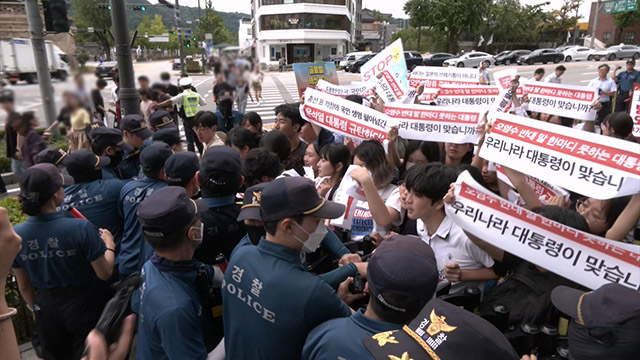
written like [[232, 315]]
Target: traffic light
[[55, 15], [104, 7], [187, 44], [140, 8], [166, 3]]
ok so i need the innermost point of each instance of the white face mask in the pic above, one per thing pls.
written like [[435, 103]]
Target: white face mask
[[313, 239]]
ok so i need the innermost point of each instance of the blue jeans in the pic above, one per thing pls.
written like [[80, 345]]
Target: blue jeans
[[16, 167]]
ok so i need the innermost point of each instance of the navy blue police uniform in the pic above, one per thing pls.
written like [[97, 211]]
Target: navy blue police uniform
[[130, 164]]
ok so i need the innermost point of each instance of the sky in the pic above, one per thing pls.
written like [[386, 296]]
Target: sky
[[385, 6]]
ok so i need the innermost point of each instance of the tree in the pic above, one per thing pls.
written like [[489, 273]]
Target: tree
[[212, 24], [430, 41], [510, 23], [82, 57], [625, 20], [151, 27], [557, 22], [448, 17], [87, 13]]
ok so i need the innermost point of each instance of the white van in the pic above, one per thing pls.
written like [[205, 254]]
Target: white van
[[18, 63], [352, 57]]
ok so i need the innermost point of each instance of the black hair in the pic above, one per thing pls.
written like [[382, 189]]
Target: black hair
[[336, 154], [563, 215], [561, 68], [372, 154], [205, 119], [292, 112], [475, 173], [620, 122], [87, 176], [102, 83], [614, 208], [143, 78], [143, 92], [429, 149], [277, 142], [165, 76], [431, 180], [170, 241], [152, 173], [272, 226], [25, 120], [241, 137], [115, 78], [253, 118], [31, 203], [538, 71], [359, 99], [604, 65], [466, 159], [387, 314], [260, 162]]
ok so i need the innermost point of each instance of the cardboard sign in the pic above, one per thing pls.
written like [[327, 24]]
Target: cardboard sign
[[593, 165], [433, 123], [433, 77], [345, 117], [342, 90], [575, 102], [479, 97], [635, 109], [309, 74], [390, 59], [503, 78], [575, 255], [389, 88]]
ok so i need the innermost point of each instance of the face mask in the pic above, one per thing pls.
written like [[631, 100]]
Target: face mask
[[116, 158], [225, 107], [255, 233], [313, 239]]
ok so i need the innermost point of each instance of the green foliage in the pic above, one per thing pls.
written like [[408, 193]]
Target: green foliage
[[557, 22], [82, 57], [16, 216], [625, 20], [86, 13], [430, 40], [149, 28], [212, 24]]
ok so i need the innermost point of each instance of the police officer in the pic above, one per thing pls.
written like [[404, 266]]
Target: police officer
[[161, 119], [134, 133], [59, 264], [172, 311], [270, 301], [170, 137], [108, 142], [181, 169], [190, 102], [134, 251], [52, 155], [94, 197]]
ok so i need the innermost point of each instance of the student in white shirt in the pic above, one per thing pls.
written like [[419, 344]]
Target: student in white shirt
[[459, 260], [555, 77], [606, 88]]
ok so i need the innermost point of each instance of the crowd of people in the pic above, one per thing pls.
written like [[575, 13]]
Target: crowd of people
[[236, 256]]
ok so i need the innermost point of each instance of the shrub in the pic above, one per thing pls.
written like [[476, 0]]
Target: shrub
[[16, 216]]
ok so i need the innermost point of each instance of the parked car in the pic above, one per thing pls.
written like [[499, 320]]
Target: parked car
[[106, 69], [510, 57], [355, 67], [565, 48], [541, 55], [176, 65], [413, 59], [617, 52], [578, 53], [351, 58], [472, 59], [336, 59], [437, 59]]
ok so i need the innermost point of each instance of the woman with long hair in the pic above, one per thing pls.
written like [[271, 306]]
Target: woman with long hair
[[334, 162]]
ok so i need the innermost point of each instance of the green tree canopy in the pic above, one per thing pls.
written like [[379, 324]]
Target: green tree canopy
[[86, 13], [625, 20], [212, 23]]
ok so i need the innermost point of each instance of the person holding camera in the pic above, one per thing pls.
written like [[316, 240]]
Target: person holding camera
[[401, 278], [606, 88]]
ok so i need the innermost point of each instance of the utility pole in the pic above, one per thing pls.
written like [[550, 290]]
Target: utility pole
[[180, 37], [201, 36], [128, 95], [595, 25], [40, 55]]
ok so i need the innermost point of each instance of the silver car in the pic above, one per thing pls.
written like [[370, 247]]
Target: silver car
[[473, 59], [617, 52]]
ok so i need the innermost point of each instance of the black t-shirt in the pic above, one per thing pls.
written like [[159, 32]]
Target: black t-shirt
[[172, 90], [96, 97], [222, 232], [64, 117], [11, 136]]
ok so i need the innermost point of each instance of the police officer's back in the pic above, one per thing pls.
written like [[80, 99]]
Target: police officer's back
[[62, 258], [135, 133], [134, 251]]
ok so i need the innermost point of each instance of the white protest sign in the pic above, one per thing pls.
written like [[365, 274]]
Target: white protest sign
[[345, 117], [370, 91], [428, 96], [351, 187], [342, 90], [390, 59], [480, 97], [635, 109], [575, 255], [389, 88], [593, 165], [433, 77], [544, 190], [503, 78], [570, 101], [433, 123]]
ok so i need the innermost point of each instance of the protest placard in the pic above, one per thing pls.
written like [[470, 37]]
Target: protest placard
[[309, 74], [503, 78], [593, 165], [342, 90], [345, 117], [433, 123], [428, 96], [390, 59], [433, 77], [389, 88], [575, 102], [543, 189], [471, 96], [635, 109], [586, 259]]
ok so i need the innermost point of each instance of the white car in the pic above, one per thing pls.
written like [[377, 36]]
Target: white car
[[618, 52], [470, 60], [578, 53]]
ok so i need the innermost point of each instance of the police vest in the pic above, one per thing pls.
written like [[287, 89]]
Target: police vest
[[190, 103]]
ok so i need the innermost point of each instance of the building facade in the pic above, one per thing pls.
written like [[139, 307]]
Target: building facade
[[608, 33], [303, 30]]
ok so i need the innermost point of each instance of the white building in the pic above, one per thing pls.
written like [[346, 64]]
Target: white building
[[245, 35], [303, 30]]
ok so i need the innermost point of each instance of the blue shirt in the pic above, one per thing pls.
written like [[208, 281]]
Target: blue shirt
[[57, 250], [130, 165], [134, 250], [170, 314], [270, 303], [98, 202], [109, 174], [627, 79], [341, 338], [236, 119]]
